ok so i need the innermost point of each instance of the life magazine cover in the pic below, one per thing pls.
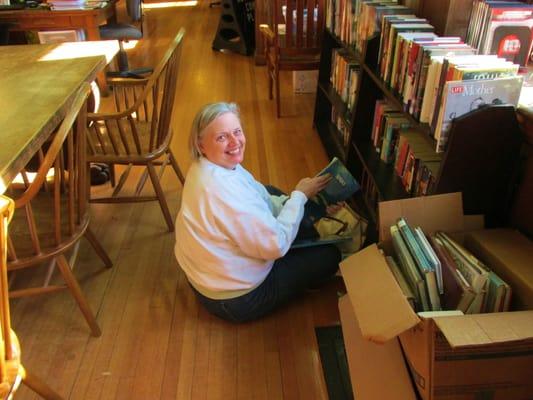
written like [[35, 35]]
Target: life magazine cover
[[462, 97]]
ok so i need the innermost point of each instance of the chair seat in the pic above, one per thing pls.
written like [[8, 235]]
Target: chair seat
[[121, 150], [120, 32], [297, 62], [42, 207]]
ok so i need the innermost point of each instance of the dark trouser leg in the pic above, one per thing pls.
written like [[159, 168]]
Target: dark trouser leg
[[290, 276]]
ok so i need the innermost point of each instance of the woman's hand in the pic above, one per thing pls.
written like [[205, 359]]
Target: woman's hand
[[311, 186]]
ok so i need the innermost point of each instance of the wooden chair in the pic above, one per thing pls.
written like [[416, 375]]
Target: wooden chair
[[52, 212], [292, 39], [139, 132], [12, 372]]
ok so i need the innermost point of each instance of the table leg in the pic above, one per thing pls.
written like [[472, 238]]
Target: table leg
[[93, 33]]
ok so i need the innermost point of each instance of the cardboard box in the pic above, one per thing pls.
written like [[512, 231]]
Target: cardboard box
[[373, 364], [73, 35], [482, 356], [304, 81], [510, 255]]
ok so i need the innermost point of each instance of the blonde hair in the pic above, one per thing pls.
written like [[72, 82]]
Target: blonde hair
[[204, 117]]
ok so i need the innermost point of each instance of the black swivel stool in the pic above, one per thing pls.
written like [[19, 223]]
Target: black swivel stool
[[124, 32]]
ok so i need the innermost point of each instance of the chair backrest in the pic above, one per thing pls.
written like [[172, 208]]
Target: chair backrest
[[141, 125], [6, 345], [52, 202], [134, 9], [301, 23]]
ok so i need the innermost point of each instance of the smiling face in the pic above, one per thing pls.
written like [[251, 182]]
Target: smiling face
[[223, 142]]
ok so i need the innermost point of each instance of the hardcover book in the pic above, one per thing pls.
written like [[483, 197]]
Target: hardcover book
[[458, 293], [410, 270], [341, 186], [424, 265]]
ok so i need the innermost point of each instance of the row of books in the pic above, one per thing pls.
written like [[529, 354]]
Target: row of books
[[411, 154], [416, 163], [341, 19], [369, 17], [504, 28], [436, 273], [345, 73], [355, 21], [343, 130]]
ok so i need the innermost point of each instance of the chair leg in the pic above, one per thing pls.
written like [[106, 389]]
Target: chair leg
[[75, 289], [91, 238], [278, 112], [160, 196], [269, 72], [175, 166], [38, 386], [112, 176]]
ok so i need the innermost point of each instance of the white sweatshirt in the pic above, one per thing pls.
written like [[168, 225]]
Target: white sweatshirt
[[229, 229]]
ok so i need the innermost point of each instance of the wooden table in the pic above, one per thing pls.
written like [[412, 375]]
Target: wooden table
[[33, 19], [37, 84]]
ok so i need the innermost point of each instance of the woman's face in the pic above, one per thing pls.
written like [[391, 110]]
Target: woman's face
[[223, 141]]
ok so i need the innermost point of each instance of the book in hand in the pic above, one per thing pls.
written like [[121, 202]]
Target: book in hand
[[341, 186]]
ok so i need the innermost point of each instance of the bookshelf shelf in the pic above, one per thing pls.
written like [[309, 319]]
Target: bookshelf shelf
[[337, 103], [389, 186], [331, 138]]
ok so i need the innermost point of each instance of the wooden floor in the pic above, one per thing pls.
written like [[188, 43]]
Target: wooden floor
[[157, 342]]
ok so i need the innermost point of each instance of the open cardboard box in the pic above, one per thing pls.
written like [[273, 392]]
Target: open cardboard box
[[481, 356]]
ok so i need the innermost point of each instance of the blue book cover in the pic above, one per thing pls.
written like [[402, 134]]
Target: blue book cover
[[341, 186]]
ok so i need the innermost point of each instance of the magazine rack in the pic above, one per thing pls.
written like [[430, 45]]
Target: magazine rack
[[481, 161]]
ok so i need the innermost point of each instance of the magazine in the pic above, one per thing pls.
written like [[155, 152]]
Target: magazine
[[460, 97]]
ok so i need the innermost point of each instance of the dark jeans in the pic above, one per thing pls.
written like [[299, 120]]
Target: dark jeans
[[297, 271], [294, 273]]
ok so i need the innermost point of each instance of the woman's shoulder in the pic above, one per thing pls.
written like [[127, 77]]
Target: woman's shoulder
[[206, 176]]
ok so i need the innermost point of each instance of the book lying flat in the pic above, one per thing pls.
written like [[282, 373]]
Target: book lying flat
[[446, 313], [299, 243]]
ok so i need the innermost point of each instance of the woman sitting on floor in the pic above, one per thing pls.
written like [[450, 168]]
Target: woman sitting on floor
[[233, 238]]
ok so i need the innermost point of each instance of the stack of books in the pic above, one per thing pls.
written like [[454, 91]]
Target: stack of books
[[67, 4], [437, 273]]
